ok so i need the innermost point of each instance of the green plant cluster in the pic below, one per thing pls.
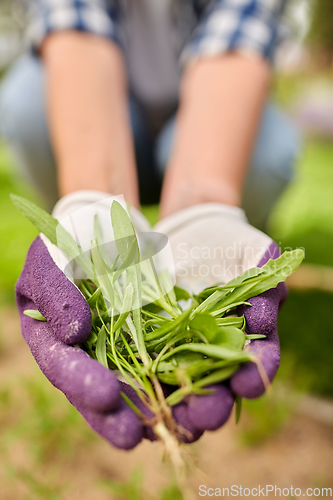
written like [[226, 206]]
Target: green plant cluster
[[191, 347]]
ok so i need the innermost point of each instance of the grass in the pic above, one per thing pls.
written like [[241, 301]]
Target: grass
[[305, 331], [304, 214], [15, 234], [132, 489], [303, 218], [34, 414], [43, 443], [264, 417]]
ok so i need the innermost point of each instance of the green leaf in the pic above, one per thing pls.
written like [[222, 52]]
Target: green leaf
[[167, 288], [170, 326], [158, 289], [126, 307], [255, 337], [247, 276], [149, 274], [86, 289], [98, 233], [186, 334], [278, 270], [34, 314], [228, 307], [101, 275], [132, 405], [213, 378], [154, 322], [207, 292], [131, 258], [123, 231], [210, 302], [181, 294], [214, 351], [182, 359], [230, 337], [168, 377], [54, 231], [150, 314], [237, 322], [217, 376], [272, 273], [238, 403], [252, 283], [124, 234], [91, 340], [206, 324], [196, 370], [94, 297], [101, 347]]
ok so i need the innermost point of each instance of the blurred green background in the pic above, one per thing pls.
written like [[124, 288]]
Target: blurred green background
[[46, 449]]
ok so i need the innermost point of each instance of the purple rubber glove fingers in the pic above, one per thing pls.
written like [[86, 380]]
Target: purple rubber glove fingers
[[209, 412], [92, 389], [88, 385], [261, 318], [191, 432], [198, 413], [148, 432], [121, 427], [43, 286], [180, 414]]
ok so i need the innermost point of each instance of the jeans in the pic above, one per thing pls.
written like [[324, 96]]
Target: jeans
[[23, 123]]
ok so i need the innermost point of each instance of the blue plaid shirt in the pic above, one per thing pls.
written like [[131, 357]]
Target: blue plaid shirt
[[210, 27]]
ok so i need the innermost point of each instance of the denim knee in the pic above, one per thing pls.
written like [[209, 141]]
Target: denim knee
[[23, 123], [22, 95], [272, 165]]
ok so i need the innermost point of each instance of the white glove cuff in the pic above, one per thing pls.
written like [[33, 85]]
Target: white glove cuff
[[76, 212], [183, 217], [79, 199]]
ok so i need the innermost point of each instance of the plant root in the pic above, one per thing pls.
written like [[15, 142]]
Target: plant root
[[174, 451]]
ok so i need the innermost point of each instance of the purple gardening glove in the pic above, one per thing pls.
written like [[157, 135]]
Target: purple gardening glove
[[214, 243], [89, 386]]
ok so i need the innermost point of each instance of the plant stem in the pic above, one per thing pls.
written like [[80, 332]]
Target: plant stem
[[173, 450]]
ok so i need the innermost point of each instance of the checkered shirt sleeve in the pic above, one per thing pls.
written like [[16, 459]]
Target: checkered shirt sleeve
[[251, 26], [98, 17]]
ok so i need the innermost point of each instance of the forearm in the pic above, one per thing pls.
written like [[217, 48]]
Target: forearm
[[88, 115], [220, 108]]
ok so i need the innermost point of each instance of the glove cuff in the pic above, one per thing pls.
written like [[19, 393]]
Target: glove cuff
[[201, 211], [79, 199]]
